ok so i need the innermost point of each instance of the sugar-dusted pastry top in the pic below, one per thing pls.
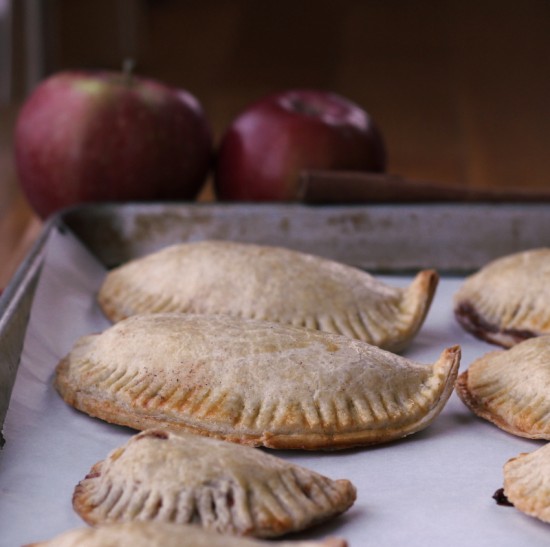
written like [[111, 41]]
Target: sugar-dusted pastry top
[[162, 534], [511, 388], [188, 479], [273, 284], [252, 382], [527, 483], [508, 300]]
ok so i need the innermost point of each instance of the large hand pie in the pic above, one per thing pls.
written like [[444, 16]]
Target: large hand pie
[[186, 479], [527, 483], [508, 300], [252, 382], [273, 284], [511, 388], [162, 534]]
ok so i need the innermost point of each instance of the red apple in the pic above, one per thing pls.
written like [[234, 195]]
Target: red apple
[[107, 136], [266, 147]]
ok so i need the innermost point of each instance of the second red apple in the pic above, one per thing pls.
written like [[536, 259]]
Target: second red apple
[[265, 148]]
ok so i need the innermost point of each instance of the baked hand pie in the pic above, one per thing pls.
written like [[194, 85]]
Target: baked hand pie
[[272, 284], [508, 300], [162, 534], [511, 388], [187, 479], [252, 382], [527, 483]]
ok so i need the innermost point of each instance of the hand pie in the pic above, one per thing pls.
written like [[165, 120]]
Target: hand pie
[[511, 388], [161, 534], [273, 284], [186, 479], [526, 483], [508, 300], [252, 382]]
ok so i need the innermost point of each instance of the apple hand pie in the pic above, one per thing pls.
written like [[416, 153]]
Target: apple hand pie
[[187, 479], [272, 284], [527, 483], [511, 388], [252, 382], [508, 300], [162, 534]]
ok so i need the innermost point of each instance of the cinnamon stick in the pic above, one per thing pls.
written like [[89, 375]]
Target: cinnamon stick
[[317, 187]]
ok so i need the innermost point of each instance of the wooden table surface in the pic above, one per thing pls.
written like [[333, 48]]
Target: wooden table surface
[[19, 226], [460, 88]]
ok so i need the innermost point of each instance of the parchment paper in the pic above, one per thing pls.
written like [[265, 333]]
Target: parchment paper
[[432, 488]]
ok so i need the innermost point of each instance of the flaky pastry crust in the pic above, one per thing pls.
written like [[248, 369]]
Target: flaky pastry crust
[[273, 284], [155, 534], [508, 300], [252, 382]]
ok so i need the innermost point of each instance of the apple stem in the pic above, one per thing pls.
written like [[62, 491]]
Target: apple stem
[[128, 66], [302, 107]]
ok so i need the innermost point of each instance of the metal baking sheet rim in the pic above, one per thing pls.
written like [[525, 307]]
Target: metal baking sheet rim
[[455, 238]]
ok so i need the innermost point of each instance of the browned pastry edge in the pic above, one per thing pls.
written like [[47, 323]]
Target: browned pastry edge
[[479, 409], [471, 321], [109, 308], [313, 441], [519, 496], [342, 497], [328, 542], [79, 499], [84, 509], [429, 282], [425, 283]]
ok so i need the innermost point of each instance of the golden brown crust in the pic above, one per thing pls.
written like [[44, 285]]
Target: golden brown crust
[[273, 284], [508, 300], [509, 388], [526, 479], [477, 407], [154, 534], [253, 382], [187, 479]]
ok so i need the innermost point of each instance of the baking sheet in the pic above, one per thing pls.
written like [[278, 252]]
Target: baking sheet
[[431, 488]]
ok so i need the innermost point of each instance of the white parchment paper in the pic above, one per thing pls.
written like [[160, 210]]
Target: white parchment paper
[[432, 488]]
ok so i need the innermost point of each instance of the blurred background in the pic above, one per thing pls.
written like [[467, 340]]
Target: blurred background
[[460, 88]]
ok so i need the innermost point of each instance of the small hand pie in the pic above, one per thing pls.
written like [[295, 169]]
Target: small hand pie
[[252, 382], [186, 479], [508, 300], [161, 534], [527, 483], [273, 284], [511, 388]]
